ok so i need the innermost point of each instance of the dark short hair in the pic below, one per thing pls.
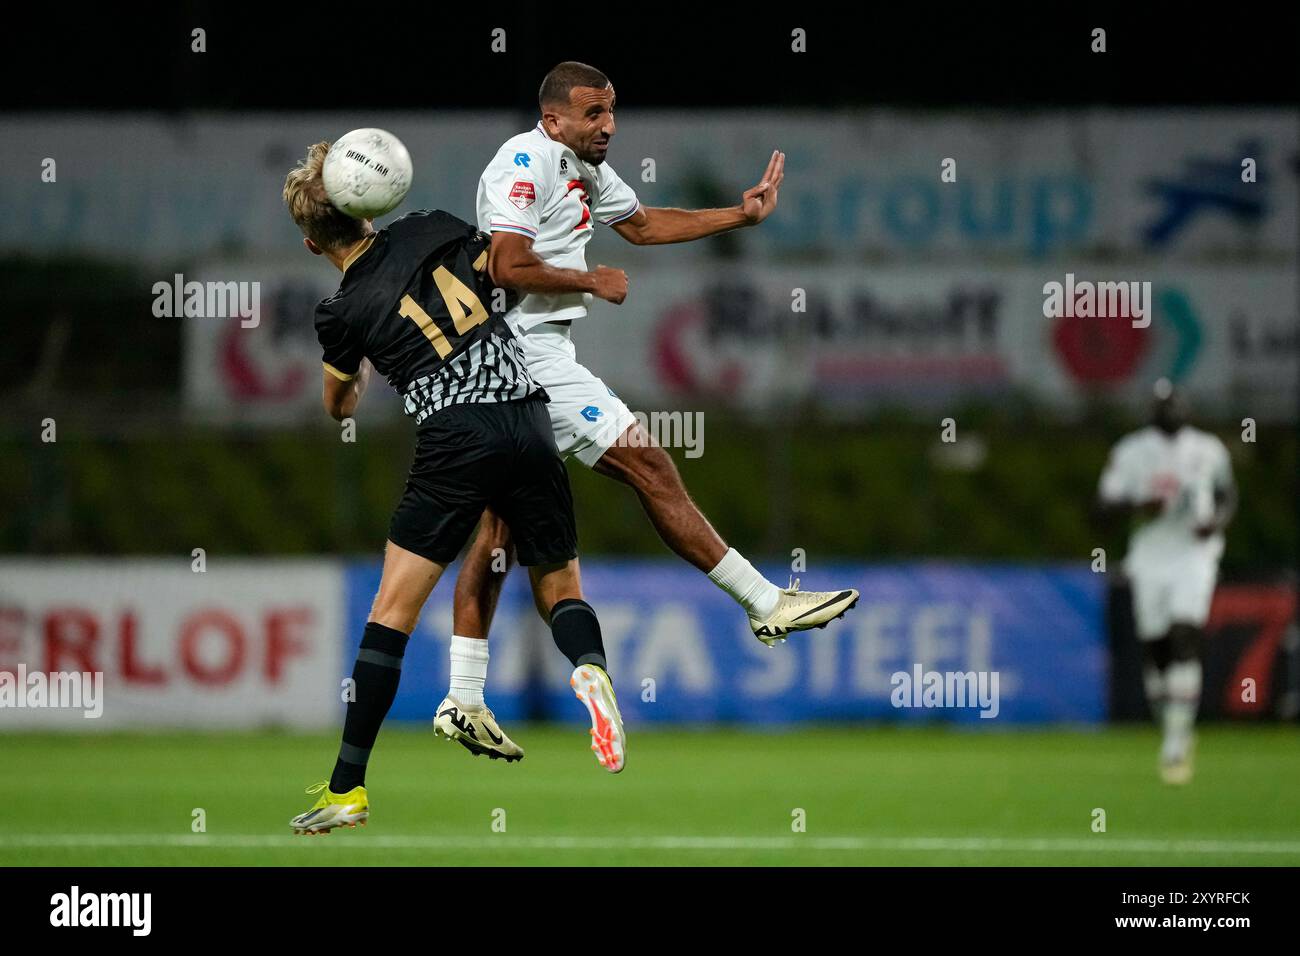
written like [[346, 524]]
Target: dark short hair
[[559, 83]]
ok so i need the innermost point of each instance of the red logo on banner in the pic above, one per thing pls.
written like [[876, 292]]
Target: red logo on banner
[[1100, 350], [522, 194]]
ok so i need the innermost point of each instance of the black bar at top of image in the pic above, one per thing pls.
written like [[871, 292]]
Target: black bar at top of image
[[439, 56]]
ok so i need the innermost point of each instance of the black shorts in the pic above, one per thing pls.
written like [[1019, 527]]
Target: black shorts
[[500, 455]]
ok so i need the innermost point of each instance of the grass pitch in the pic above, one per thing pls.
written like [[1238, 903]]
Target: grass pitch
[[869, 795]]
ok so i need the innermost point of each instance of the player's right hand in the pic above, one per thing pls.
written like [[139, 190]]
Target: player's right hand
[[611, 284]]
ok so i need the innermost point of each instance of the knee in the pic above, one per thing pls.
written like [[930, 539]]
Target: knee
[[1158, 653], [393, 612], [1185, 642]]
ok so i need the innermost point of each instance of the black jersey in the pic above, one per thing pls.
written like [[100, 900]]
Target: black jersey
[[416, 301]]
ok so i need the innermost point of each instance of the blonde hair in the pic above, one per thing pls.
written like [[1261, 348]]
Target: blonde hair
[[310, 207]]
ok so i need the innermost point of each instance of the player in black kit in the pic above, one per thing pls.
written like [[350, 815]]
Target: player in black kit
[[411, 305]]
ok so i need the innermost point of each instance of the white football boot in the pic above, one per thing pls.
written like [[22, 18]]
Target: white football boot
[[476, 729], [800, 610], [1176, 761], [593, 687]]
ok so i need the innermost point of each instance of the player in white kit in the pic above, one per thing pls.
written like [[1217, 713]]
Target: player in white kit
[[540, 198], [1180, 480]]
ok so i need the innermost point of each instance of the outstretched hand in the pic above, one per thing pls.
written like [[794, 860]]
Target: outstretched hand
[[759, 202]]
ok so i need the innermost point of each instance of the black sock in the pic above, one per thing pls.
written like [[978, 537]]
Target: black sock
[[374, 676], [577, 633]]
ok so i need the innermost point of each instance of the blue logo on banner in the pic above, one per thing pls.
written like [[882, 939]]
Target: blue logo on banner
[[1207, 184]]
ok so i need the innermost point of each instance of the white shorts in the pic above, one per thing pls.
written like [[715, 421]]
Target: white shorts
[[586, 416], [1175, 591]]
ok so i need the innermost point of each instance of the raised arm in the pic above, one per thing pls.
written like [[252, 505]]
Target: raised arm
[[652, 226]]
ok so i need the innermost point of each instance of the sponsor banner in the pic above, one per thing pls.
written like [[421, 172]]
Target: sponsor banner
[[1020, 186], [201, 182], [1207, 183], [1025, 644], [242, 644], [266, 372], [921, 337], [691, 337], [1251, 660]]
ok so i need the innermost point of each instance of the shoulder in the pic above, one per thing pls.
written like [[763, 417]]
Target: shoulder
[[329, 311], [529, 152], [606, 175], [1134, 441], [426, 222], [1211, 443]]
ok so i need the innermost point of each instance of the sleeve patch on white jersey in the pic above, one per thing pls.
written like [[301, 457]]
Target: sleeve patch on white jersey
[[522, 194]]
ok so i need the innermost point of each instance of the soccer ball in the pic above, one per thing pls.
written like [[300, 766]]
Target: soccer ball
[[367, 173]]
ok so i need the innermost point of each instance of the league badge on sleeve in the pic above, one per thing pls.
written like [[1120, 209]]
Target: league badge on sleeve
[[522, 194]]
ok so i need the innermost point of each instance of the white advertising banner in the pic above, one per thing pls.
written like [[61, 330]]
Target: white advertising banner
[[883, 184], [846, 340], [105, 644], [854, 341]]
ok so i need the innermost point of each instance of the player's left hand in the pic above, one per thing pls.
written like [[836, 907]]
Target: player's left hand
[[759, 202]]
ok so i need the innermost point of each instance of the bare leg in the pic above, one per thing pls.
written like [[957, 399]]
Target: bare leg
[[651, 473], [553, 583], [478, 586], [405, 585]]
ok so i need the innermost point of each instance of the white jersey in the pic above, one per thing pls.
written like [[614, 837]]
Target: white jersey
[[1183, 470], [539, 188]]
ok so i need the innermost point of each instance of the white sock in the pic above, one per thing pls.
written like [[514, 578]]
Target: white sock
[[755, 593], [1183, 689], [1154, 683], [469, 663]]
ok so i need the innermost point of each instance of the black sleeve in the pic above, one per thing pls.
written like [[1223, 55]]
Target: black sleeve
[[341, 352]]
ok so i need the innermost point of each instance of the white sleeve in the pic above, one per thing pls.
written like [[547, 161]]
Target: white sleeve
[[1223, 466], [1117, 479], [616, 201], [511, 193]]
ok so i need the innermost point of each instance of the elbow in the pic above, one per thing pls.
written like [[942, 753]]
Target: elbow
[[502, 275], [504, 266], [335, 407]]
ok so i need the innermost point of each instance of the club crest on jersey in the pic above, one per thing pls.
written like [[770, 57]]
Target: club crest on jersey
[[522, 194]]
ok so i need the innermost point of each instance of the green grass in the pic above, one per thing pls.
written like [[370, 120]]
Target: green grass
[[871, 796]]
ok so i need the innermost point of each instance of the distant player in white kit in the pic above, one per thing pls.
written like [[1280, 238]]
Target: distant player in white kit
[[540, 199], [1180, 480]]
